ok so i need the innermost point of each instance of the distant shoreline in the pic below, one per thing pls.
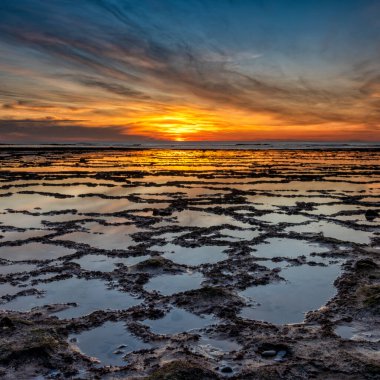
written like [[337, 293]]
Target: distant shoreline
[[206, 146]]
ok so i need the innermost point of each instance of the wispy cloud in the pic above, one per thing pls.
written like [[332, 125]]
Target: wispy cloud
[[120, 64], [35, 130]]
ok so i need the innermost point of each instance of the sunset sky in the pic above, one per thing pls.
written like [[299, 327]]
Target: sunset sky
[[146, 70]]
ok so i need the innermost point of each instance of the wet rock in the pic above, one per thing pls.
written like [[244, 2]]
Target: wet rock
[[162, 212], [280, 356], [155, 264], [6, 323], [371, 215], [271, 350], [365, 264], [371, 296], [38, 344], [209, 299], [182, 370], [226, 370]]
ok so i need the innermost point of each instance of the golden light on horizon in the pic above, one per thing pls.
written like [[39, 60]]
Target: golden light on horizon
[[171, 122]]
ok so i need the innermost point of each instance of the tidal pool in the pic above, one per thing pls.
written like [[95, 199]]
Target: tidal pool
[[104, 237], [178, 321], [6, 236], [190, 218], [105, 263], [245, 234], [90, 295], [358, 333], [275, 217], [283, 247], [16, 268], [8, 289], [218, 345], [207, 254], [168, 284], [306, 288], [34, 251], [108, 343], [335, 231]]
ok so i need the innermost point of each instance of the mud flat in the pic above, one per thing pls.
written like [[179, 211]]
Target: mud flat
[[185, 264]]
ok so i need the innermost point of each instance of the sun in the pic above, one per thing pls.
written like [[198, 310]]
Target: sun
[[176, 124]]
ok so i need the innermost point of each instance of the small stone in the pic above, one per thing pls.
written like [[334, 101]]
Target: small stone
[[118, 352], [6, 323], [280, 355], [268, 353], [226, 370], [365, 264], [122, 346], [371, 215]]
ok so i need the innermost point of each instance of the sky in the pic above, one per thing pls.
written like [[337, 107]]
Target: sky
[[189, 70]]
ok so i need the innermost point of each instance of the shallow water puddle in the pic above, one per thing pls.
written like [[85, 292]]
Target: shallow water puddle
[[307, 288], [199, 192], [177, 321], [45, 203], [357, 333], [8, 289], [16, 268], [246, 234], [273, 264], [34, 251], [332, 209], [20, 220], [275, 218], [169, 236], [104, 237], [283, 247], [217, 346], [190, 218], [6, 236], [168, 284], [359, 219], [208, 254], [90, 295], [108, 343], [334, 231], [105, 263]]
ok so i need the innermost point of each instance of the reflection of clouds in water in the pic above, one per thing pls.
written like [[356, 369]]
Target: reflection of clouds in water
[[334, 231], [278, 247], [169, 284], [34, 251], [177, 321], [90, 295], [102, 342], [193, 256], [105, 263], [104, 237], [306, 288], [202, 219]]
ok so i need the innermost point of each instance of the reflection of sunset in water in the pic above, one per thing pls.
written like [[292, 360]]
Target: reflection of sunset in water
[[153, 160]]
